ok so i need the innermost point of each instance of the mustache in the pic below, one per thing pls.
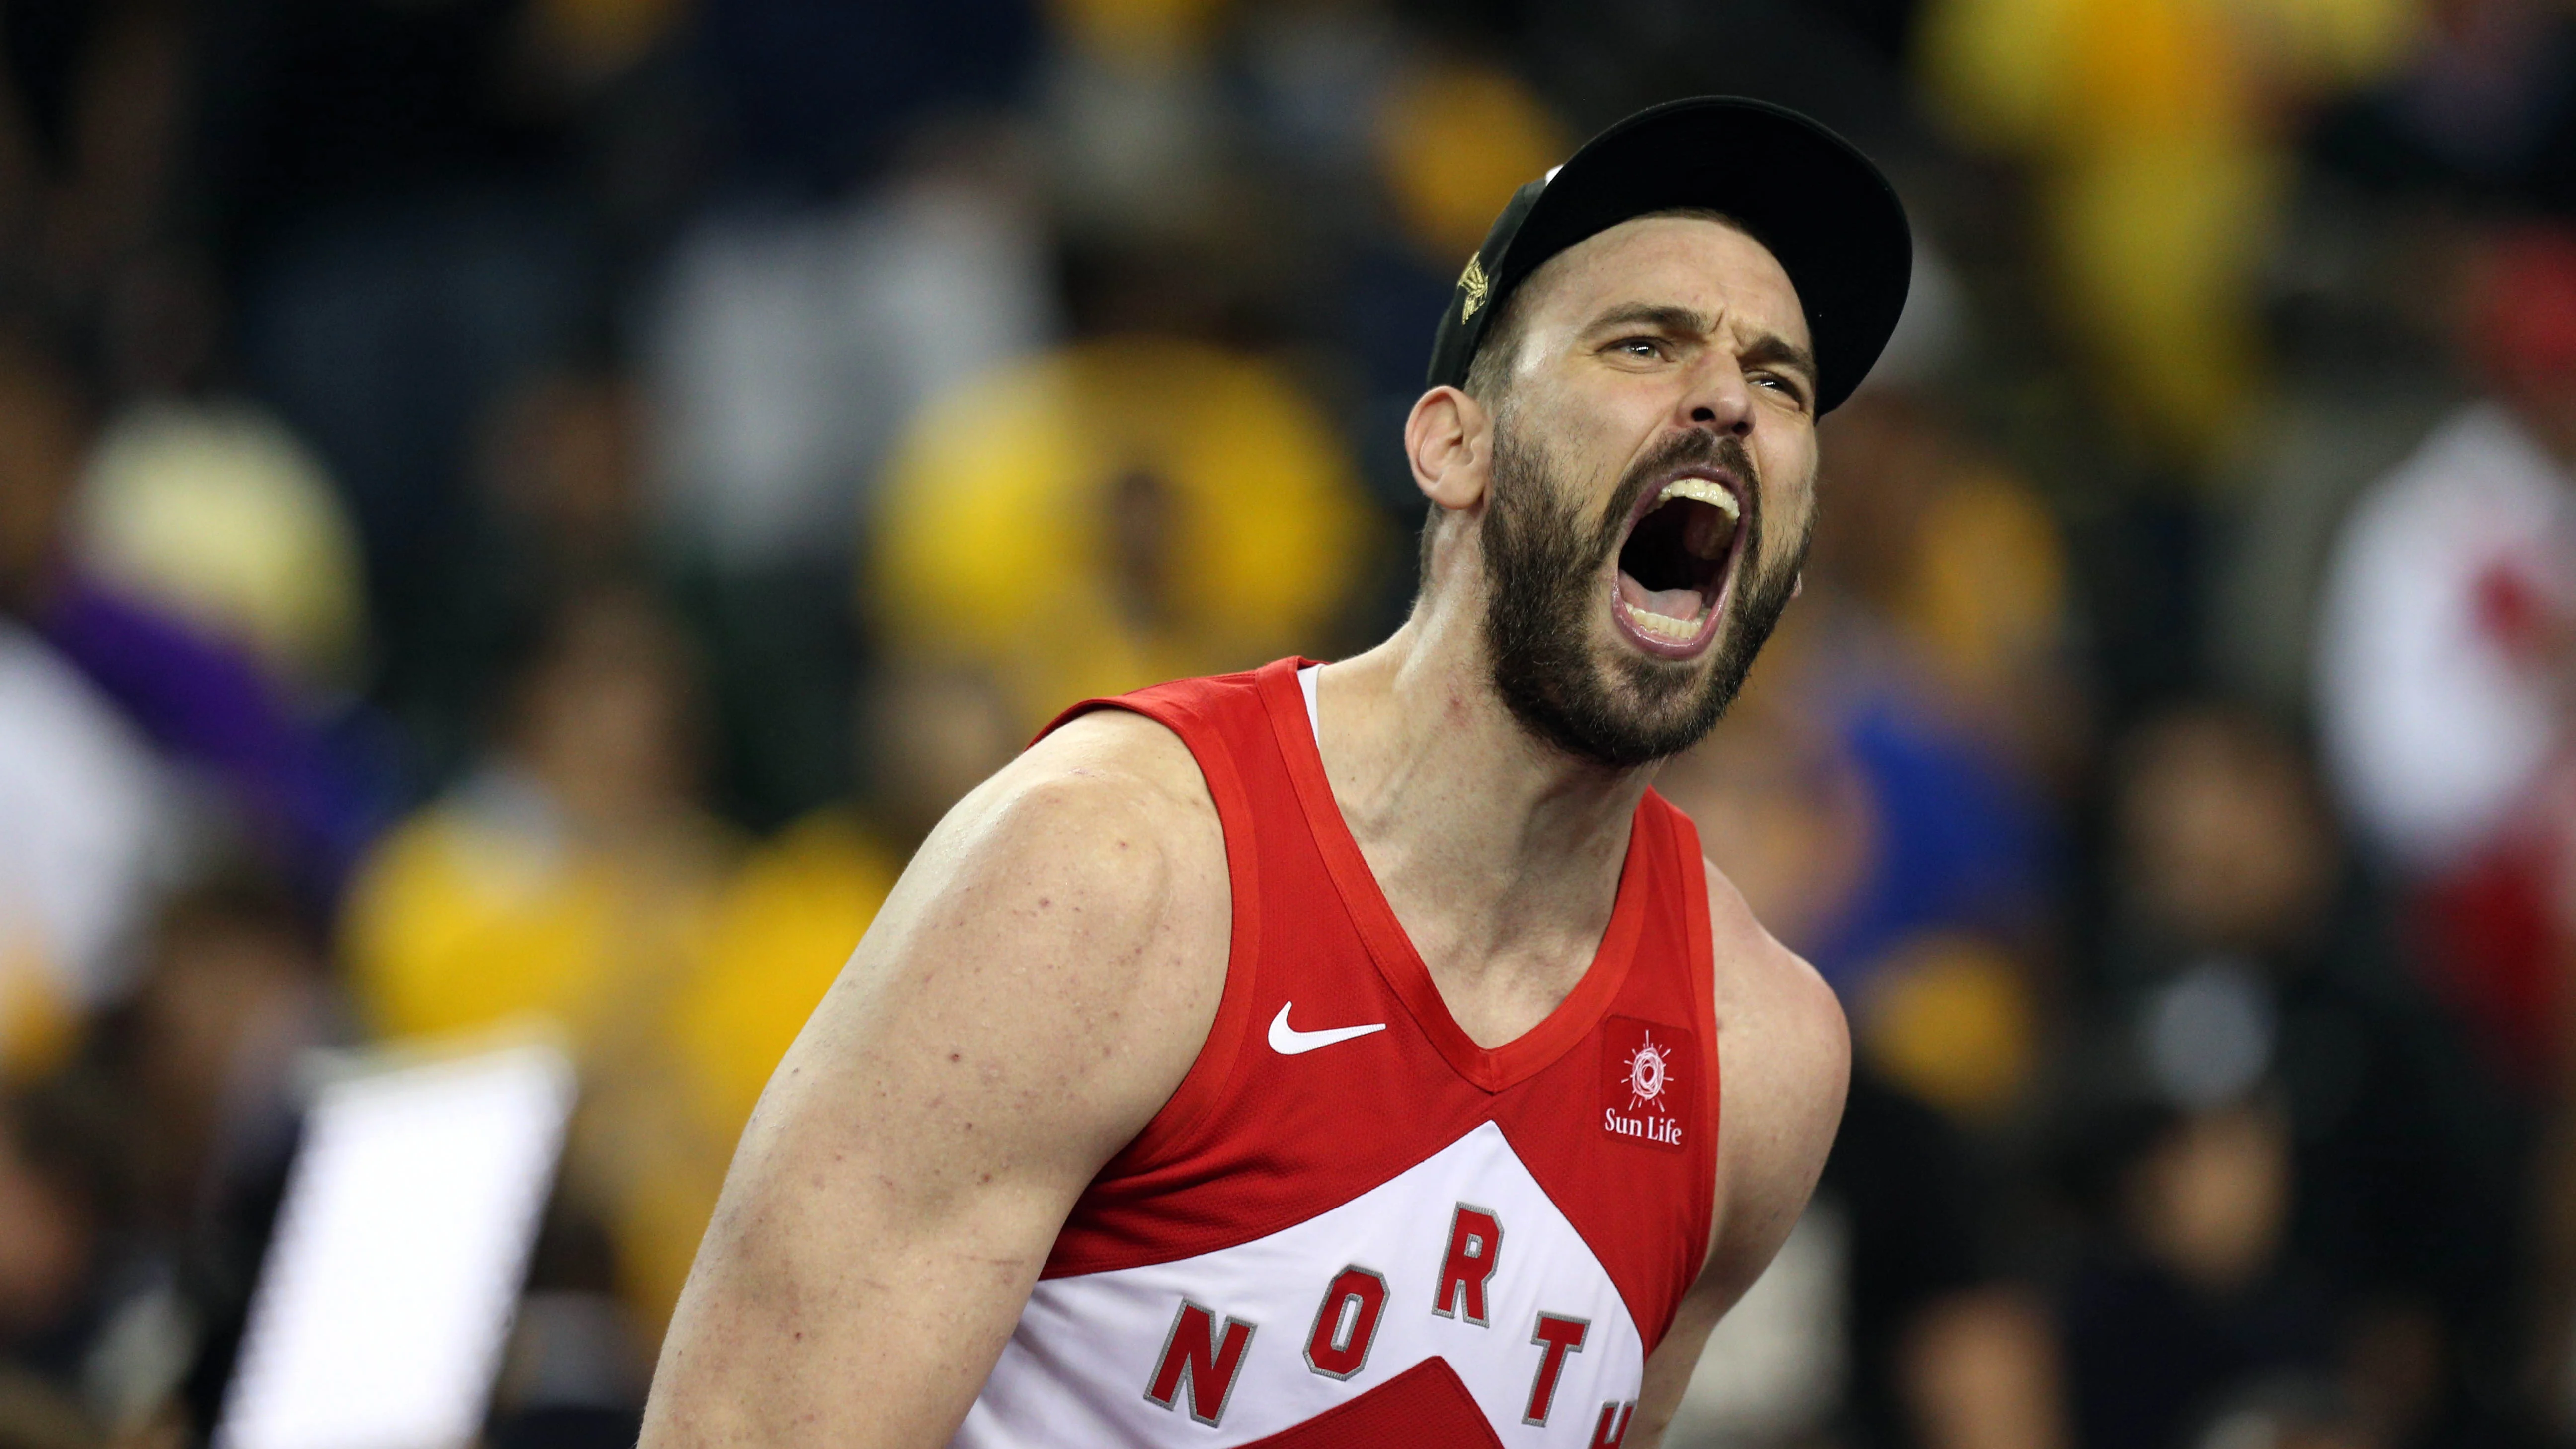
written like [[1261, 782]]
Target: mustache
[[1697, 448]]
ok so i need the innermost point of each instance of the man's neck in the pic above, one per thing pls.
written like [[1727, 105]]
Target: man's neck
[[1499, 854]]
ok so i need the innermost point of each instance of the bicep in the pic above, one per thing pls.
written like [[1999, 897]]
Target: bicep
[[1027, 999]]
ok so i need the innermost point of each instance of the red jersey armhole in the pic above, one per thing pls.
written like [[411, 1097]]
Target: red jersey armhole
[[1202, 1087], [1703, 977]]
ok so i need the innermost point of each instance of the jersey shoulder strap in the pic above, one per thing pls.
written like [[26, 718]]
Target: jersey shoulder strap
[[1226, 725]]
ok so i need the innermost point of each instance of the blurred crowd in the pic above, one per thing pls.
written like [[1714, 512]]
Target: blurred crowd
[[527, 509]]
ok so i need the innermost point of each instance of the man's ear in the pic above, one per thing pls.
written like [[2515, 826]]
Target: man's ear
[[1449, 439]]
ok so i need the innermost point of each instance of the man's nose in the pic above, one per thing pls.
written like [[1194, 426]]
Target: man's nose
[[1719, 397]]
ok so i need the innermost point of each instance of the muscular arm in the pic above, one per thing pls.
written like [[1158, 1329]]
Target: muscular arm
[[1033, 990], [1784, 1059]]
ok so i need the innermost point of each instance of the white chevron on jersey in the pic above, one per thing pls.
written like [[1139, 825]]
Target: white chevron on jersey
[[1078, 1369]]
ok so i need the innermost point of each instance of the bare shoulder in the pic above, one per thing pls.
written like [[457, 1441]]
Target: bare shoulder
[[1101, 846], [1785, 1056], [1049, 964], [1111, 768], [1759, 980], [1112, 805], [1031, 993], [1116, 754], [1087, 876]]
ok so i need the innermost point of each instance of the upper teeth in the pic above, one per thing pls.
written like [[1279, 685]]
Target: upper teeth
[[1700, 490]]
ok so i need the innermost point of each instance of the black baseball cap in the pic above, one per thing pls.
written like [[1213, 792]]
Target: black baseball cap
[[1805, 193]]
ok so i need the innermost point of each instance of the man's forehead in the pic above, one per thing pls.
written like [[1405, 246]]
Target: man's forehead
[[1702, 263]]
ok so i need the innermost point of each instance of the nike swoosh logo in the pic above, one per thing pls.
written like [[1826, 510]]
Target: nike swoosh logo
[[1288, 1041]]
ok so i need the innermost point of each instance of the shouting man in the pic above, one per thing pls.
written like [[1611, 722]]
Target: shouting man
[[1331, 1055]]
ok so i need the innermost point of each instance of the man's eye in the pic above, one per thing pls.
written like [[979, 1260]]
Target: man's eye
[[1788, 386], [1639, 347]]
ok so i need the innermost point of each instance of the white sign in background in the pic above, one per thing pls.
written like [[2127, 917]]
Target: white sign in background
[[380, 1315]]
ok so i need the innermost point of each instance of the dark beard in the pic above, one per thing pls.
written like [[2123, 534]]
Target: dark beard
[[1543, 570]]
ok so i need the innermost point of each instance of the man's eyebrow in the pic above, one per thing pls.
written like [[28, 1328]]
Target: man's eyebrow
[[1667, 316]]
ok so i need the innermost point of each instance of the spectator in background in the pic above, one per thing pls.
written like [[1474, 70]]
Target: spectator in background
[[216, 516], [1073, 526], [2482, 111], [91, 815], [2154, 129], [235, 992], [1124, 511], [93, 101], [59, 1196], [211, 517], [2185, 1302], [1115, 513], [1954, 552], [87, 846], [285, 785], [2309, 1177], [390, 199], [2444, 684], [1781, 806], [794, 343], [1950, 1344], [876, 233], [562, 474], [84, 852], [559, 469], [2442, 665], [571, 878]]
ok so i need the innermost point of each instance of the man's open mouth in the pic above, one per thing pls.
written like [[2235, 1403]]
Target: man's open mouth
[[1674, 568]]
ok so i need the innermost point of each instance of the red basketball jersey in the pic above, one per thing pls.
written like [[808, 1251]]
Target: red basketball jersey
[[1351, 1225]]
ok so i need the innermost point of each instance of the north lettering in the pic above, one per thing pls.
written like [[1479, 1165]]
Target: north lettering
[[1346, 1322], [1475, 1248], [1556, 1337], [1196, 1361]]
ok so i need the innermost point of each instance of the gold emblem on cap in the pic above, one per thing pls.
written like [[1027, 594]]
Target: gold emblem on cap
[[1472, 282]]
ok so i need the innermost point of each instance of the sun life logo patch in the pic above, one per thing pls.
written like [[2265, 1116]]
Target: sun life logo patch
[[1647, 1069], [1647, 1092]]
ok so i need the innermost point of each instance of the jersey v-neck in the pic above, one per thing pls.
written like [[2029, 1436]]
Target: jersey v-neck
[[1289, 702]]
